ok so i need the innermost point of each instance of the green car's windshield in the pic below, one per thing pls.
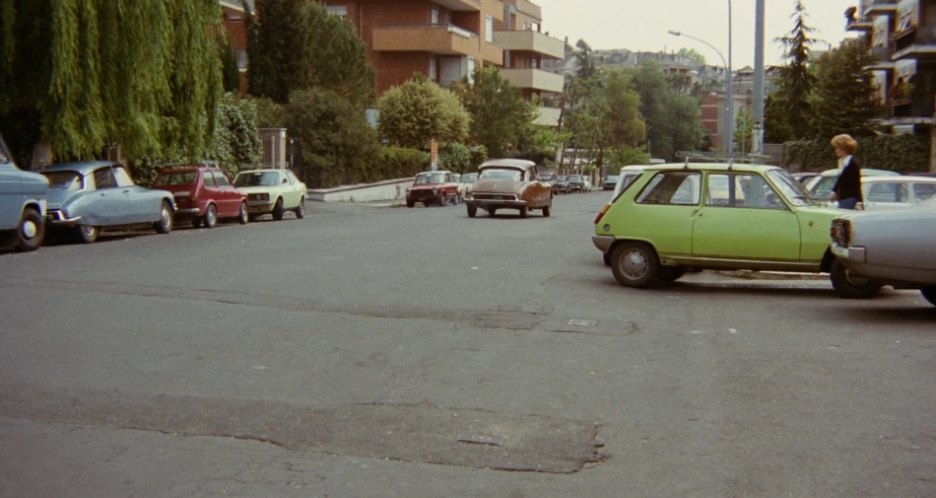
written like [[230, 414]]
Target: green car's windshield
[[789, 188], [258, 179]]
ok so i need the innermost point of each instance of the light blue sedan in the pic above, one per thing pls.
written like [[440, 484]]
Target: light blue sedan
[[92, 195]]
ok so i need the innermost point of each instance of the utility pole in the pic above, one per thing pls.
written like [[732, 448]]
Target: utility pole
[[758, 78]]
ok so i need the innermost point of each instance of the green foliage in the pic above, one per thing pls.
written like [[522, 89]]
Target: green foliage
[[844, 98], [894, 152], [794, 81], [542, 141], [338, 145], [269, 113], [418, 111], [672, 120], [400, 162], [455, 157], [230, 73], [500, 116], [236, 137], [744, 132], [625, 156], [144, 74], [296, 44], [691, 54]]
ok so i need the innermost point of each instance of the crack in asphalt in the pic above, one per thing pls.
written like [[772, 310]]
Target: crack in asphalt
[[493, 319], [488, 319], [420, 432]]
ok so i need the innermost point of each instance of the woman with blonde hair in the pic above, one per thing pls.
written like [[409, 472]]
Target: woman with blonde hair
[[847, 189]]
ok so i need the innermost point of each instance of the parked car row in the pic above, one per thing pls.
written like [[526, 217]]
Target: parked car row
[[499, 184], [567, 184], [87, 197], [677, 217]]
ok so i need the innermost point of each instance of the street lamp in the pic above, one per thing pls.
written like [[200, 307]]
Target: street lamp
[[729, 97]]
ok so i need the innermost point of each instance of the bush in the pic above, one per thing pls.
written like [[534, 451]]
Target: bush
[[894, 152], [455, 157], [400, 162]]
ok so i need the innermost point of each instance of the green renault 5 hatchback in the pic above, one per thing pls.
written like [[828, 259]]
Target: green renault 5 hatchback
[[719, 216]]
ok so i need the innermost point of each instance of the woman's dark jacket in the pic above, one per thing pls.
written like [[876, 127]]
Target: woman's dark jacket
[[848, 184]]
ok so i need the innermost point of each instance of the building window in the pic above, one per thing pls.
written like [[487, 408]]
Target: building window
[[338, 11], [434, 16], [433, 69], [489, 29]]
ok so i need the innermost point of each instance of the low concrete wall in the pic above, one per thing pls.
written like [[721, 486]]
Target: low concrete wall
[[389, 191]]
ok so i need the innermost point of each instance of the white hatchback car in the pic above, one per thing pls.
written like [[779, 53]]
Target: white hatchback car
[[890, 192]]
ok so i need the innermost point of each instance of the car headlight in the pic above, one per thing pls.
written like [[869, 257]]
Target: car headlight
[[841, 232]]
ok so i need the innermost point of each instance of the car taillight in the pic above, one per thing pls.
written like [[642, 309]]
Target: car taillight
[[601, 213]]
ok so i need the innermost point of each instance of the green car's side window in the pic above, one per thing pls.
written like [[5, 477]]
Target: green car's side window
[[680, 188], [741, 190]]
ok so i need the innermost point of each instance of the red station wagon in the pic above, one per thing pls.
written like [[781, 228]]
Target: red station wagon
[[203, 194]]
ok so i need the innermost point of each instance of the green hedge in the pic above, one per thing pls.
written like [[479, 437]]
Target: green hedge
[[400, 162], [894, 152]]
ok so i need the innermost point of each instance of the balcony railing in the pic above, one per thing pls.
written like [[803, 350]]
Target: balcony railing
[[434, 38], [880, 7], [535, 79], [531, 41]]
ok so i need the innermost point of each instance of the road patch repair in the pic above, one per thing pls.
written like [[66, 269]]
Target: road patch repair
[[418, 432]]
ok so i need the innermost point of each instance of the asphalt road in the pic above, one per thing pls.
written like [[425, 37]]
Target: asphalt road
[[368, 352]]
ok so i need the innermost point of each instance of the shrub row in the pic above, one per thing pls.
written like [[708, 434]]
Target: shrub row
[[901, 153]]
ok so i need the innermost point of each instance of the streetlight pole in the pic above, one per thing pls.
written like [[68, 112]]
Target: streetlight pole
[[729, 96]]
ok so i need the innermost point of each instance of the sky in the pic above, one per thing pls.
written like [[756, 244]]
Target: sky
[[642, 25]]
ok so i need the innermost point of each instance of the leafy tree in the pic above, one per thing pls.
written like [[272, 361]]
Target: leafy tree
[[84, 74], [230, 73], [794, 81], [625, 156], [455, 157], [691, 54], [337, 143], [744, 132], [236, 137], [585, 59], [500, 116], [296, 44], [270, 114], [672, 120], [418, 111], [844, 98]]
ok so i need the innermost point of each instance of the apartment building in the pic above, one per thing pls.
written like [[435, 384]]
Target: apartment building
[[901, 35], [446, 40], [527, 50]]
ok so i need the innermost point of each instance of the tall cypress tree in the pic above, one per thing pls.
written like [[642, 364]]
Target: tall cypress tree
[[795, 81]]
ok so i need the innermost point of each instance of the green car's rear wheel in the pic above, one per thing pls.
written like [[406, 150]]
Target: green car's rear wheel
[[634, 264]]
